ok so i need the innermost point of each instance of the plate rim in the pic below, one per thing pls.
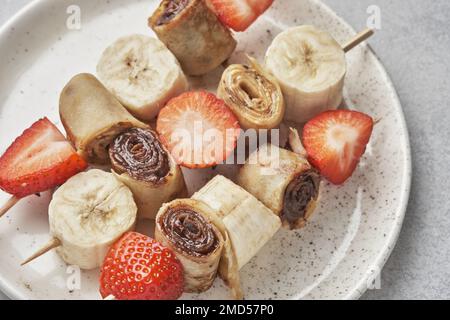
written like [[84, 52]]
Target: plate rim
[[386, 251], [392, 238], [9, 290]]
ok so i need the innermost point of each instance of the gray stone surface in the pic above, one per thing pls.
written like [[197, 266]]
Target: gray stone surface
[[414, 45]]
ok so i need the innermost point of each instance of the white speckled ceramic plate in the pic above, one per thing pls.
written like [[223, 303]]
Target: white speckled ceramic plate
[[335, 257]]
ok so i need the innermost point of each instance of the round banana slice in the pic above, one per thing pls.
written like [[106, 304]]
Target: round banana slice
[[88, 214], [142, 73], [310, 66]]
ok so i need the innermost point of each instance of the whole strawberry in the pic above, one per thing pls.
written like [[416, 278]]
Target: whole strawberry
[[139, 268]]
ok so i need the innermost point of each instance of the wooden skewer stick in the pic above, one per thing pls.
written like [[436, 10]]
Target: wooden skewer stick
[[360, 37], [8, 205], [52, 244]]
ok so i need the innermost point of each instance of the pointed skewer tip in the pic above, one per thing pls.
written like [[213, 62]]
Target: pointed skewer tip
[[356, 40], [52, 244], [8, 205]]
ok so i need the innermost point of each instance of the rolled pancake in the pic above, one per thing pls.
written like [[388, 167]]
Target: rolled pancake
[[194, 34], [92, 117], [142, 163], [254, 96], [284, 181], [186, 226]]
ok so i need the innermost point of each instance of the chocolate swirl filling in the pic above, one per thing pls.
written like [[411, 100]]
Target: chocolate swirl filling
[[139, 153], [189, 231], [171, 9], [299, 194]]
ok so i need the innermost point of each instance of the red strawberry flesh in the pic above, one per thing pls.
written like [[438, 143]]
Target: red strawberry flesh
[[39, 160], [199, 129], [239, 15], [335, 142], [260, 6]]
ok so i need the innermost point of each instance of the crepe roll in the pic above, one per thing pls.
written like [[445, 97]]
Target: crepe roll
[[254, 96], [186, 226], [92, 117], [194, 34], [142, 163], [284, 181]]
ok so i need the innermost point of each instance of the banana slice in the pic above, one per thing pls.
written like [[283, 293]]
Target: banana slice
[[142, 73], [249, 223], [88, 214], [310, 66]]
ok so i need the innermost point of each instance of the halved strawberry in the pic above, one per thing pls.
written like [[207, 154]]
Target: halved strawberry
[[199, 129], [139, 268], [335, 141], [260, 6], [39, 160], [239, 14]]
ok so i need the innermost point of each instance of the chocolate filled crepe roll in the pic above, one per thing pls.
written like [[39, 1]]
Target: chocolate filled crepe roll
[[92, 117], [284, 181], [194, 34], [250, 224], [186, 226], [142, 163], [254, 96]]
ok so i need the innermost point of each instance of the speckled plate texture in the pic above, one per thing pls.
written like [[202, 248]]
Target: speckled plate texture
[[339, 253]]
